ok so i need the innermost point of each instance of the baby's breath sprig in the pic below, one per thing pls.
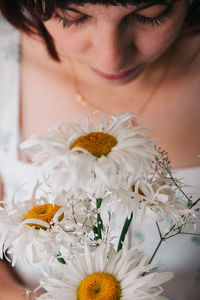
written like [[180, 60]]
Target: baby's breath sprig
[[162, 160], [172, 232], [162, 165]]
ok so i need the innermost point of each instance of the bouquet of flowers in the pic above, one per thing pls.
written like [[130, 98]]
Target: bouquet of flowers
[[96, 183]]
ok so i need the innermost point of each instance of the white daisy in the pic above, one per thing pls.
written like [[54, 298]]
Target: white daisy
[[145, 198], [106, 275], [35, 230], [74, 154]]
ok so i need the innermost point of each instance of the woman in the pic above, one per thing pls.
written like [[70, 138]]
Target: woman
[[114, 56]]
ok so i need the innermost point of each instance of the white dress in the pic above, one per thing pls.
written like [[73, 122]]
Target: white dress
[[181, 255]]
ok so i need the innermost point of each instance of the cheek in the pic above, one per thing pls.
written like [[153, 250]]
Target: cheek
[[72, 42], [154, 43]]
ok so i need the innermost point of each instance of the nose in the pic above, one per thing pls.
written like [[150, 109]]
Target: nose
[[112, 50]]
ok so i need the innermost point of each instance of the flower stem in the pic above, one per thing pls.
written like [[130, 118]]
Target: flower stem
[[159, 244], [99, 220], [162, 165], [195, 203], [156, 250], [190, 233], [124, 232]]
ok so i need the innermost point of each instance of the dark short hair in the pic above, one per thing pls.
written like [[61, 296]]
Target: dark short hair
[[28, 15]]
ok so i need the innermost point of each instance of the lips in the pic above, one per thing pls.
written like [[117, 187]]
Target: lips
[[116, 76]]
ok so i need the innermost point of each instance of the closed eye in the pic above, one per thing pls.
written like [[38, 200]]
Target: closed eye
[[152, 14], [69, 22], [155, 16]]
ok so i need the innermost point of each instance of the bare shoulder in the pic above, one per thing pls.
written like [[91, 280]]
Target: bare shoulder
[[179, 100]]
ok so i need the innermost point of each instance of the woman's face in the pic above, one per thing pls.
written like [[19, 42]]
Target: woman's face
[[117, 43]]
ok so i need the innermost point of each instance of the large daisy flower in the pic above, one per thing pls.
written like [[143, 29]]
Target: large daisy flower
[[36, 229], [106, 275], [146, 199], [72, 155]]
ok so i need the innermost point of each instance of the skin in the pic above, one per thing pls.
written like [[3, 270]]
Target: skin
[[9, 288], [112, 43], [124, 46]]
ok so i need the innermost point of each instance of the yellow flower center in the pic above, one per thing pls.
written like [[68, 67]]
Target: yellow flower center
[[99, 286], [97, 143], [44, 212]]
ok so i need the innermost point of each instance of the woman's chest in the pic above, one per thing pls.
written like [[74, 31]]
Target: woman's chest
[[48, 95], [175, 118]]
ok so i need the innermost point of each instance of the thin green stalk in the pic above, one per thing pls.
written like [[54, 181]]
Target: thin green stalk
[[159, 244], [190, 233], [166, 237], [156, 250], [198, 200], [99, 220], [124, 231], [174, 181], [159, 230]]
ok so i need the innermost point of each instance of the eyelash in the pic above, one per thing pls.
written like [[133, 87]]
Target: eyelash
[[143, 20], [159, 19], [67, 23]]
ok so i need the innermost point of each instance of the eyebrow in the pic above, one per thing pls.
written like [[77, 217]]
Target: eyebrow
[[139, 4]]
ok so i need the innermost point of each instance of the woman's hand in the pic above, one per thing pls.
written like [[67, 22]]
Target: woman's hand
[[8, 293], [9, 288]]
